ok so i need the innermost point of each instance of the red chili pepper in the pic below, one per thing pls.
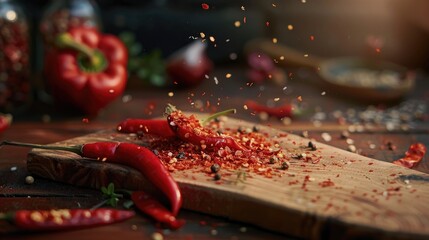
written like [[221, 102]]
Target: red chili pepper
[[158, 127], [87, 70], [65, 219], [138, 157], [413, 156], [286, 110], [188, 66], [5, 121], [157, 211], [190, 130]]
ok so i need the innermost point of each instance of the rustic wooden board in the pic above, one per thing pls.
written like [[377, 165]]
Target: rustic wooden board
[[370, 199]]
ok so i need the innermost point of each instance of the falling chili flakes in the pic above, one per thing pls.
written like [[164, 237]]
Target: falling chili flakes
[[237, 23], [205, 6], [311, 38], [290, 27], [413, 156], [267, 23], [327, 183]]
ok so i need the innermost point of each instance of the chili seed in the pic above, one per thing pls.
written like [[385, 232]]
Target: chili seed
[[157, 236], [217, 177], [29, 180], [215, 168]]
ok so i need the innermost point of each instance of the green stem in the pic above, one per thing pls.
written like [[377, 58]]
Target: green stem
[[65, 40], [75, 149], [218, 114]]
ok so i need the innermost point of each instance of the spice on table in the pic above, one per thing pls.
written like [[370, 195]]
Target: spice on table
[[158, 127], [189, 129], [148, 205], [217, 177], [413, 156], [133, 155], [29, 179], [87, 69], [64, 219], [286, 110], [215, 168]]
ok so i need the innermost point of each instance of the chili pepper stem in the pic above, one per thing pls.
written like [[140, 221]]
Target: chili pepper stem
[[218, 114], [65, 40], [75, 149]]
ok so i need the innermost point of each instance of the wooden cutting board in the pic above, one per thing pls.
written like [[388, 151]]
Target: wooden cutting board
[[344, 196]]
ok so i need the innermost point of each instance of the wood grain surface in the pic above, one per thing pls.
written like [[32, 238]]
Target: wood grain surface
[[344, 196]]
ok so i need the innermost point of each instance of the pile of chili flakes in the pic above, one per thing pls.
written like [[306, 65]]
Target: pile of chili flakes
[[266, 156]]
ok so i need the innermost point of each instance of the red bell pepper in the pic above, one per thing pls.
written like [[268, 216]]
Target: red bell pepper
[[87, 69]]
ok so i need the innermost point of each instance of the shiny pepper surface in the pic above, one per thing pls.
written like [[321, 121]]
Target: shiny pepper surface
[[87, 69]]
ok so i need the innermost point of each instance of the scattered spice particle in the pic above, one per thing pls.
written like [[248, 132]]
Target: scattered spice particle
[[276, 99], [202, 35], [217, 177], [212, 39], [282, 58], [244, 19], [267, 23], [299, 98], [205, 6], [85, 120], [275, 40], [243, 8], [171, 94], [228, 75], [237, 23], [215, 168], [311, 38], [29, 179], [290, 27], [14, 168], [157, 236]]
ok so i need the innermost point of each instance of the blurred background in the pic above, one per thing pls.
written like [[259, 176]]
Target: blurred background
[[390, 29], [393, 30]]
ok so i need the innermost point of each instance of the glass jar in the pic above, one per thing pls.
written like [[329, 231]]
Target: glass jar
[[15, 90], [61, 15]]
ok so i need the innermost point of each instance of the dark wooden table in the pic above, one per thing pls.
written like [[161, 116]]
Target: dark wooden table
[[45, 123]]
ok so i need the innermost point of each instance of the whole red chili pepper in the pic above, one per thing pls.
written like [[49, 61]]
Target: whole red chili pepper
[[65, 219], [413, 156], [286, 110], [158, 127], [138, 157], [156, 210], [190, 130], [87, 70]]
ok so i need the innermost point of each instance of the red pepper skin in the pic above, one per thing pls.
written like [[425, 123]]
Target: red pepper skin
[[88, 91], [158, 127], [142, 159], [6, 121], [188, 66], [413, 156], [190, 130], [157, 211], [67, 219], [279, 112]]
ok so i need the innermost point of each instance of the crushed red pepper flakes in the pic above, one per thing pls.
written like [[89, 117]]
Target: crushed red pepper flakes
[[205, 6]]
